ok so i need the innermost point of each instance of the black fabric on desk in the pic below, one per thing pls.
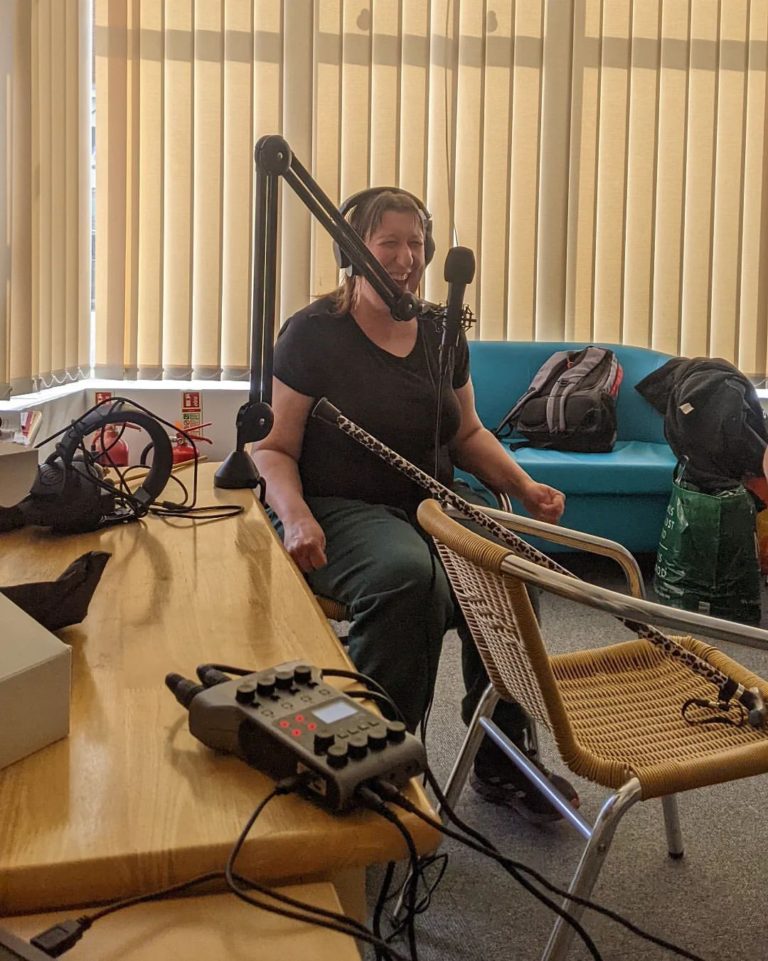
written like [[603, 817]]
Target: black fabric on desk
[[59, 603]]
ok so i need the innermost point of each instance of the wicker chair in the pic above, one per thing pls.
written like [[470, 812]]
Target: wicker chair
[[614, 711], [333, 610]]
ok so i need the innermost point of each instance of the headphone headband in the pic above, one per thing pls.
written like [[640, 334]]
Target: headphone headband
[[363, 197], [162, 459]]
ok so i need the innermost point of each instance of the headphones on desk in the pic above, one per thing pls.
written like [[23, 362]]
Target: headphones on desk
[[361, 199], [71, 494]]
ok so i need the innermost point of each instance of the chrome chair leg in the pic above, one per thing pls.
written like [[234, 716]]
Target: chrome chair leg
[[535, 775], [472, 740], [591, 862], [675, 845]]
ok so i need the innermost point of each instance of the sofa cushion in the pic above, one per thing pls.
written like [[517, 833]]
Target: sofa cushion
[[632, 467]]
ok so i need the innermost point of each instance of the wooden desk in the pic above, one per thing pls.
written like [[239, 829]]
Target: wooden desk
[[130, 801], [218, 927]]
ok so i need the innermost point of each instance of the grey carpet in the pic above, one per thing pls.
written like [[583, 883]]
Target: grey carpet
[[713, 902]]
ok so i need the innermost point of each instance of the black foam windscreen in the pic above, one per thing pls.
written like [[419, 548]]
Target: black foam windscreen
[[459, 266], [459, 271], [363, 197]]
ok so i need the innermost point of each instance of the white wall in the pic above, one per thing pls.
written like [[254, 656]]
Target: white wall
[[59, 407]]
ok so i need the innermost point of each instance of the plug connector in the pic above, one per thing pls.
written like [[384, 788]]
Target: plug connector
[[61, 937]]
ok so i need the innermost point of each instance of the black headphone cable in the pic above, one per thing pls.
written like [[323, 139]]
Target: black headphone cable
[[482, 845]]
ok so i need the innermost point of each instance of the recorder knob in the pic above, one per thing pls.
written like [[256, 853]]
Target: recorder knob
[[395, 731], [302, 674], [265, 685], [337, 755], [377, 739], [358, 746], [323, 740], [245, 692]]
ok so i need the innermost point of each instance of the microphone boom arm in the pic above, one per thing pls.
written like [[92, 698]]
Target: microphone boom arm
[[273, 159]]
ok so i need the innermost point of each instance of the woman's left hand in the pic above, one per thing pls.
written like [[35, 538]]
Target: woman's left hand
[[543, 503]]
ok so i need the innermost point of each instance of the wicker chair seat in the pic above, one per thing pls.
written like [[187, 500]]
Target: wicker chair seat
[[333, 610], [623, 704]]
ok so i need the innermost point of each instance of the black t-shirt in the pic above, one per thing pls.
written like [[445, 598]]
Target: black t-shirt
[[322, 354]]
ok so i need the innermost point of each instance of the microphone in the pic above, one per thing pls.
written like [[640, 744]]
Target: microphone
[[459, 271]]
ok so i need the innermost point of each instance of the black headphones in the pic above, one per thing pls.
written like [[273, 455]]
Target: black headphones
[[361, 198], [70, 494]]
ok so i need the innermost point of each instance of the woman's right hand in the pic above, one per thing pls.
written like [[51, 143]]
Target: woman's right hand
[[304, 540]]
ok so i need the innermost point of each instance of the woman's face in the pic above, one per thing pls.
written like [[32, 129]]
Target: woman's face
[[398, 244]]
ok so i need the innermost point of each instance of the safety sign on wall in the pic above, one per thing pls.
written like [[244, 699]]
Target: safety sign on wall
[[191, 410]]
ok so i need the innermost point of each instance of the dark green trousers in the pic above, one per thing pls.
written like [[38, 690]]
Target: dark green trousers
[[384, 569]]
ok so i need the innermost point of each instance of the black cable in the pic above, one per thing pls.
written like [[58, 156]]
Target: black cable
[[61, 937], [381, 699], [121, 491], [381, 901], [422, 905], [375, 803], [484, 846], [318, 916], [164, 508], [390, 793], [584, 902], [211, 512], [368, 681], [183, 486], [227, 669]]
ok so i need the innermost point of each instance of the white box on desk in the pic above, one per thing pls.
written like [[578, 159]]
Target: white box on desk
[[35, 671], [18, 469]]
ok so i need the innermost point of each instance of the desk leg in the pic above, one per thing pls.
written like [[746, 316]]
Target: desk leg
[[350, 886]]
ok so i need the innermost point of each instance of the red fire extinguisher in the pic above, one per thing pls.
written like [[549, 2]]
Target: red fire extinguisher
[[109, 446], [182, 450]]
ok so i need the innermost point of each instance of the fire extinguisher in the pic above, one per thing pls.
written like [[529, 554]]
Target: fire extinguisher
[[110, 448], [181, 448]]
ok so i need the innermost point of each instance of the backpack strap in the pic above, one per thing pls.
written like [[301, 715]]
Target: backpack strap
[[590, 358], [543, 374]]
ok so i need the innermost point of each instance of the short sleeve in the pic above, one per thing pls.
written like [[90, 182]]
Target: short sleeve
[[298, 357]]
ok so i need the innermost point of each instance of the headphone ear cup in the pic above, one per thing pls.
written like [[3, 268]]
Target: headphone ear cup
[[429, 240], [341, 261], [50, 480]]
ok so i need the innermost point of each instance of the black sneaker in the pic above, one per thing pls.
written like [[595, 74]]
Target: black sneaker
[[513, 790]]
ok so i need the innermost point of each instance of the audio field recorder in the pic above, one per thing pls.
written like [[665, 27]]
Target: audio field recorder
[[288, 719]]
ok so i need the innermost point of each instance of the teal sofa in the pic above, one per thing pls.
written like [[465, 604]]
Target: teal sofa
[[621, 495]]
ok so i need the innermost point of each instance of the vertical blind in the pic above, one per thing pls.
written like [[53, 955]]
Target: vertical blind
[[45, 307], [605, 159]]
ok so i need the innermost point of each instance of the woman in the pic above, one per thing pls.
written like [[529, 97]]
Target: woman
[[347, 518]]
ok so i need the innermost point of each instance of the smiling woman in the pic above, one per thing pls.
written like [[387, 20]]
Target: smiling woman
[[346, 518]]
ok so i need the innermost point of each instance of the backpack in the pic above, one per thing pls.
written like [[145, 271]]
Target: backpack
[[570, 404]]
